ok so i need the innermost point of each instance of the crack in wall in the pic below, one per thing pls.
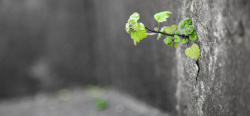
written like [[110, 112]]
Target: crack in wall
[[199, 108], [196, 78]]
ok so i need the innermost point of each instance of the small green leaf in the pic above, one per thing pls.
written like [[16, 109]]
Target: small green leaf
[[139, 34], [177, 32], [156, 29], [101, 104], [177, 39], [134, 17], [181, 24], [176, 44], [171, 32], [132, 23], [188, 21], [162, 16], [184, 31], [185, 22], [184, 41], [170, 44], [168, 39], [168, 30], [193, 51], [189, 29], [174, 27], [193, 36]]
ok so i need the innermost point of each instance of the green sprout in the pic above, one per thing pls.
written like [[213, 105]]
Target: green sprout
[[174, 34]]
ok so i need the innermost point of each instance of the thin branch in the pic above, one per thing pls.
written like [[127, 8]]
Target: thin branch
[[184, 36]]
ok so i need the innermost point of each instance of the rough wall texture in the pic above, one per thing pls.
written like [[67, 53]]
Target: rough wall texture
[[217, 84]]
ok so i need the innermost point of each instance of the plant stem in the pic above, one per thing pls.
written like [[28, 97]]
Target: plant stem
[[181, 35], [159, 26]]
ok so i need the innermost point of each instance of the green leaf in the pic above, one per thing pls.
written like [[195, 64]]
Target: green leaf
[[185, 22], [176, 44], [184, 31], [184, 41], [177, 39], [193, 36], [189, 29], [171, 32], [188, 21], [101, 104], [193, 51], [156, 29], [181, 24], [139, 34], [134, 17], [132, 22], [163, 28], [170, 44], [174, 27], [162, 16], [168, 30], [177, 32], [168, 39]]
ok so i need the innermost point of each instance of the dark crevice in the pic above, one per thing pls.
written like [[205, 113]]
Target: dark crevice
[[196, 87], [197, 63]]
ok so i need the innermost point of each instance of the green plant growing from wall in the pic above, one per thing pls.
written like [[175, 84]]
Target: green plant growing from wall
[[173, 34]]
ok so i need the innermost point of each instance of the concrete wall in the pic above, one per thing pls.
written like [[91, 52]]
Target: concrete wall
[[217, 84]]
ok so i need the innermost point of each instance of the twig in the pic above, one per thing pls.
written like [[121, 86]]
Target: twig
[[181, 35]]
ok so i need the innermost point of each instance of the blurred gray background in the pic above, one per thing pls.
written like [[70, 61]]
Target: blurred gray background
[[47, 45]]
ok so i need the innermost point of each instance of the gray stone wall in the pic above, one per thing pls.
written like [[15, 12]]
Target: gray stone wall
[[217, 84]]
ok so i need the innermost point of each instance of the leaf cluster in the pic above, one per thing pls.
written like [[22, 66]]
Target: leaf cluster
[[170, 40], [184, 28], [173, 34], [188, 29]]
